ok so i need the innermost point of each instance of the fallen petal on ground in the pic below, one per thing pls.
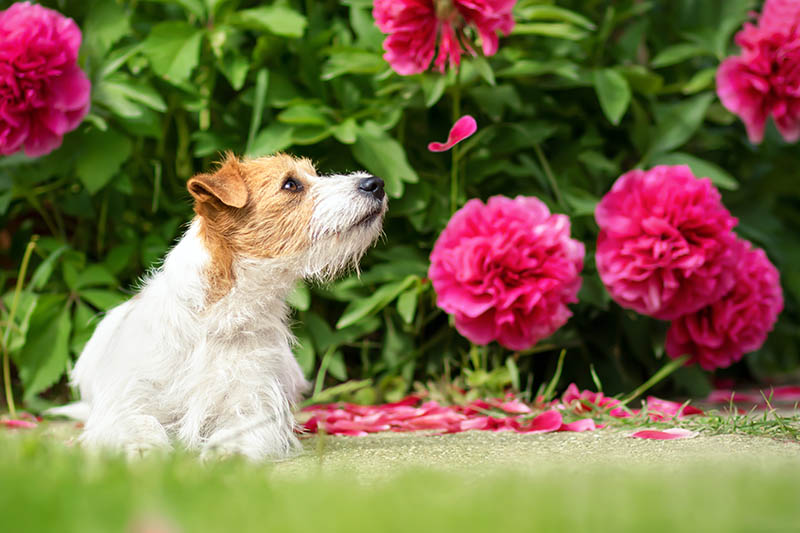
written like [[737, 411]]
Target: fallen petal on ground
[[18, 424], [585, 424], [665, 434]]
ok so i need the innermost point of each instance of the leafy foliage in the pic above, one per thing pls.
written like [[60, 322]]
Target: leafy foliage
[[579, 93]]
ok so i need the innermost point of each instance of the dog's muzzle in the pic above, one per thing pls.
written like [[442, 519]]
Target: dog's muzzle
[[372, 186]]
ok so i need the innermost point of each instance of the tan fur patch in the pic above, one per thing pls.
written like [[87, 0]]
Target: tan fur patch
[[272, 223]]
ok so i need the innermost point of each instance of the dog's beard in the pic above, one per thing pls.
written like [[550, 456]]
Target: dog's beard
[[338, 252]]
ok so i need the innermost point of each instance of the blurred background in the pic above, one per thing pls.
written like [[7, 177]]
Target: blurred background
[[580, 92]]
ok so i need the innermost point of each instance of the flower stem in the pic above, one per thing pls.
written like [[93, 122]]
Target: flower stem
[[23, 269], [549, 173], [454, 152]]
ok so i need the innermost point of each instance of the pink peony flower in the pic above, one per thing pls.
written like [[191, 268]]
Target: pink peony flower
[[415, 27], [719, 334], [506, 271], [765, 80], [463, 128], [665, 241], [43, 92]]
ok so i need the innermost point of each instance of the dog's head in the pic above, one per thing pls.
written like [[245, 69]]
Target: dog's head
[[279, 207]]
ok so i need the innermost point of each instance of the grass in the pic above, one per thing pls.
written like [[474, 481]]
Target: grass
[[45, 486]]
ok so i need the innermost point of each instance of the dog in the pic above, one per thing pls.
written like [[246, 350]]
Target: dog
[[201, 355]]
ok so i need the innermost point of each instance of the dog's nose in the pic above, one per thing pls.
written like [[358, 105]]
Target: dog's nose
[[372, 185]]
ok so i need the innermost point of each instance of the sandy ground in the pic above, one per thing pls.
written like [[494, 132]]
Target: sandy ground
[[379, 455]]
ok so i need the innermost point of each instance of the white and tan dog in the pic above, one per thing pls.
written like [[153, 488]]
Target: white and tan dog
[[202, 354]]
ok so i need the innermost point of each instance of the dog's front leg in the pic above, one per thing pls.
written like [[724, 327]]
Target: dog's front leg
[[257, 424], [135, 434]]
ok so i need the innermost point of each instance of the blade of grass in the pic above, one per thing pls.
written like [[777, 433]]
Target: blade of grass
[[551, 387], [656, 378], [596, 379], [23, 269]]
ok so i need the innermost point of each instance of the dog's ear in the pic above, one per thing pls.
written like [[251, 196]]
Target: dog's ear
[[225, 185]]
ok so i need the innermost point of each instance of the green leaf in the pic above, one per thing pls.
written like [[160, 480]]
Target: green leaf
[[310, 134], [276, 19], [550, 29], [433, 86], [42, 360], [304, 352], [700, 168], [641, 79], [346, 132], [102, 156], [235, 67], [45, 269], [300, 297], [384, 157], [133, 89], [274, 138], [102, 299], [613, 92], [544, 12], [304, 114], [379, 299], [352, 62], [262, 85], [700, 81], [193, 7], [407, 305], [95, 276], [173, 49], [676, 123], [336, 366], [105, 24], [484, 69], [672, 55], [83, 325], [582, 202]]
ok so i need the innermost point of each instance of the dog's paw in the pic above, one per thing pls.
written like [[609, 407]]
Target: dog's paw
[[140, 450]]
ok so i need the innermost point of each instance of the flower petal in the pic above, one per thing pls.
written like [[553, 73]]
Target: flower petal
[[584, 424], [546, 422], [463, 128], [667, 434], [18, 424]]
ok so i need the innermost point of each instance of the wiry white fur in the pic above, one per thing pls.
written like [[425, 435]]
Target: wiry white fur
[[166, 366]]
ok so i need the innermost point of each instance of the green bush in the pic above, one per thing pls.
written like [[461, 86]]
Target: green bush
[[581, 92]]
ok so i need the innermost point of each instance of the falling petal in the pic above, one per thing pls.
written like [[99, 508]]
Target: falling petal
[[463, 128]]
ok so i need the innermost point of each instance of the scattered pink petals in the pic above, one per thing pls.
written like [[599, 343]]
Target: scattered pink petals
[[413, 413], [18, 424], [666, 434], [585, 401], [463, 128]]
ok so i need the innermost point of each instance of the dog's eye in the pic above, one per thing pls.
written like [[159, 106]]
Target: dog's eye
[[292, 185]]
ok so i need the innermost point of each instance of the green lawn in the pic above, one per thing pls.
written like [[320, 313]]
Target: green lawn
[[45, 486]]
